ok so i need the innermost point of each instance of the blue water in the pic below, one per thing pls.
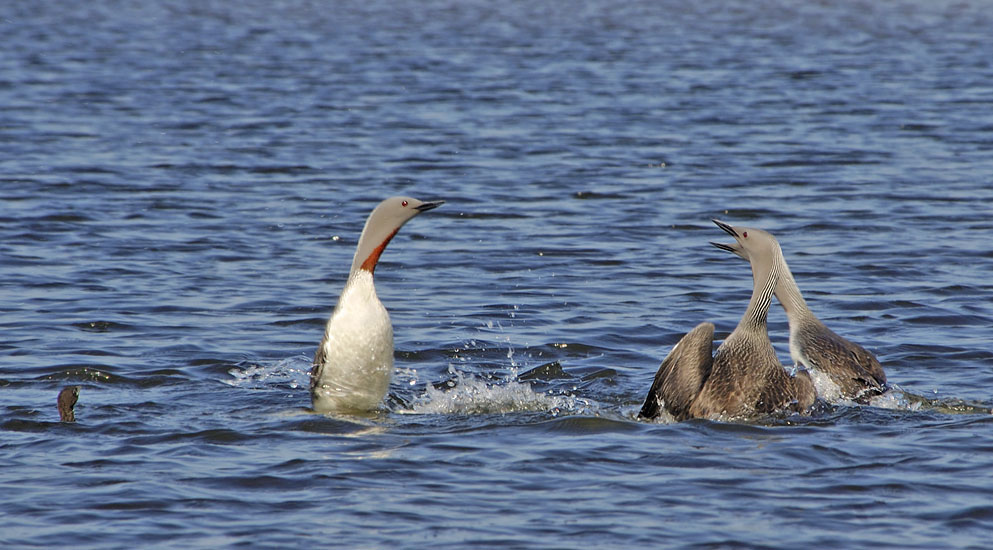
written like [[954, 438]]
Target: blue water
[[183, 184]]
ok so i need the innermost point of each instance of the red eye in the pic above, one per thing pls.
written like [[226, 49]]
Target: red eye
[[745, 234], [404, 203]]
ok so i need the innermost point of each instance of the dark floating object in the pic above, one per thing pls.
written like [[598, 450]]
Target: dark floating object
[[67, 400]]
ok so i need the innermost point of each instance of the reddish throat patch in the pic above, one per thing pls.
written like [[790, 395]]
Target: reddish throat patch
[[370, 263]]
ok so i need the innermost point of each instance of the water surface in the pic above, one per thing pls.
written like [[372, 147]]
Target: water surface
[[183, 185]]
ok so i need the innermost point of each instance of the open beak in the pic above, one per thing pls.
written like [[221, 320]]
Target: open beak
[[734, 248], [727, 247], [425, 206], [727, 228]]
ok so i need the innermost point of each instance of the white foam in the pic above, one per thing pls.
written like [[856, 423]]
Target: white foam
[[897, 400], [293, 371], [893, 399], [469, 394], [466, 393], [826, 388]]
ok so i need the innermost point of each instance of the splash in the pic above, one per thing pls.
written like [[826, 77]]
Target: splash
[[893, 399], [826, 388], [292, 371], [469, 394], [896, 399], [899, 399]]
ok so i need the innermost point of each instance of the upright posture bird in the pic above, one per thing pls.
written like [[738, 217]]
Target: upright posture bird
[[743, 377], [353, 365], [855, 370]]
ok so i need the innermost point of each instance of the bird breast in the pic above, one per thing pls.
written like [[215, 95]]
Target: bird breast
[[358, 347]]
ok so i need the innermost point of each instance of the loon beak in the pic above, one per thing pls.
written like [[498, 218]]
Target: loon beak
[[425, 206], [727, 228], [727, 247], [735, 248]]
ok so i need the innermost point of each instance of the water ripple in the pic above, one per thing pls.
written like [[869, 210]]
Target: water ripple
[[182, 190]]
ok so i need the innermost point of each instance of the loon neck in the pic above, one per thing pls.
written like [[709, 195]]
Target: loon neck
[[788, 294], [765, 278], [367, 253]]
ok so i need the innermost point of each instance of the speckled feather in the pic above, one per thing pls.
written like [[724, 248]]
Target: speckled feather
[[744, 377], [747, 379], [854, 369]]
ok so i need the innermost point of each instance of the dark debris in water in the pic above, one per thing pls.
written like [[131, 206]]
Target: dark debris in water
[[548, 371], [606, 374], [66, 403], [100, 326], [586, 195]]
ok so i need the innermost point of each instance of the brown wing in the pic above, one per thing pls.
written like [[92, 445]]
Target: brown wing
[[681, 374], [870, 365], [856, 371]]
